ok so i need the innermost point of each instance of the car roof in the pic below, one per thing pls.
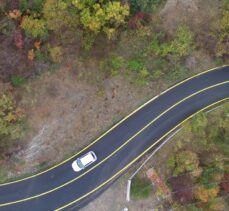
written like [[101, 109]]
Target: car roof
[[88, 158]]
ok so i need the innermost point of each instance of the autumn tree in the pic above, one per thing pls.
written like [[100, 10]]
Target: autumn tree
[[186, 161], [58, 17], [11, 121], [204, 194], [34, 27], [182, 188], [101, 16]]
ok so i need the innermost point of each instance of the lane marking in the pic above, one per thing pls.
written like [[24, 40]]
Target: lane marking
[[115, 151], [113, 127], [133, 161]]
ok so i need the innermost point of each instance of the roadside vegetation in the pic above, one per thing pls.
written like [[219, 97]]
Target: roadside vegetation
[[83, 44], [196, 166]]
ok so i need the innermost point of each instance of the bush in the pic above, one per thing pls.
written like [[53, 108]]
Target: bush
[[112, 65], [58, 17], [135, 65], [222, 46], [32, 5], [11, 121], [55, 54], [181, 45], [140, 188], [17, 80], [139, 68], [187, 161], [216, 204], [148, 6], [35, 28], [199, 123], [177, 73]]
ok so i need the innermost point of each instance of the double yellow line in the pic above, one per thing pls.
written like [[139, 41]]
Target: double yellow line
[[119, 148], [139, 108], [133, 161]]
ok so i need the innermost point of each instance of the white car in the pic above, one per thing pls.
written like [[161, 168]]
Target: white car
[[84, 161]]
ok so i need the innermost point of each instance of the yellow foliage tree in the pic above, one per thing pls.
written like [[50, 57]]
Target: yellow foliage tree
[[204, 194]]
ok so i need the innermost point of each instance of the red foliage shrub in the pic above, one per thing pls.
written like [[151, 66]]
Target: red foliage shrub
[[182, 188], [225, 183], [18, 39]]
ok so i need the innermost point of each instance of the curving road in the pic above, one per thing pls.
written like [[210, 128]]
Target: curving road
[[60, 188]]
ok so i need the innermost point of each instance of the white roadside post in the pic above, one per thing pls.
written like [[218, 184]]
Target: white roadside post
[[154, 152]]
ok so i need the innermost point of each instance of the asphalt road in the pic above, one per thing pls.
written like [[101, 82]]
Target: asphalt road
[[61, 187]]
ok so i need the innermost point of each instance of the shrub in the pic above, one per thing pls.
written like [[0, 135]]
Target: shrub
[[183, 42], [139, 68], [35, 28], [135, 65], [177, 73], [216, 204], [117, 63], [141, 188], [158, 45], [222, 46], [11, 121], [112, 65], [181, 45], [17, 80], [199, 123], [187, 161], [144, 5], [58, 17], [32, 5], [55, 54]]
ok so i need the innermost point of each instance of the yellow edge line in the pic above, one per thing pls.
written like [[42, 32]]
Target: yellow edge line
[[40, 173], [133, 161], [118, 149]]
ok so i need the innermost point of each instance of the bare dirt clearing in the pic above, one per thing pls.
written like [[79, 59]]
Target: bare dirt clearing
[[67, 114]]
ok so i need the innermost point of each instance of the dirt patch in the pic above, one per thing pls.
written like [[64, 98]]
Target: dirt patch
[[196, 14], [67, 114]]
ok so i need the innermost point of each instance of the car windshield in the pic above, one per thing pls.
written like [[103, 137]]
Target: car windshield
[[80, 163]]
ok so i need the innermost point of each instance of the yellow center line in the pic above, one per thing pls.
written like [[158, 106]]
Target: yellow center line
[[117, 124], [133, 161], [105, 159]]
